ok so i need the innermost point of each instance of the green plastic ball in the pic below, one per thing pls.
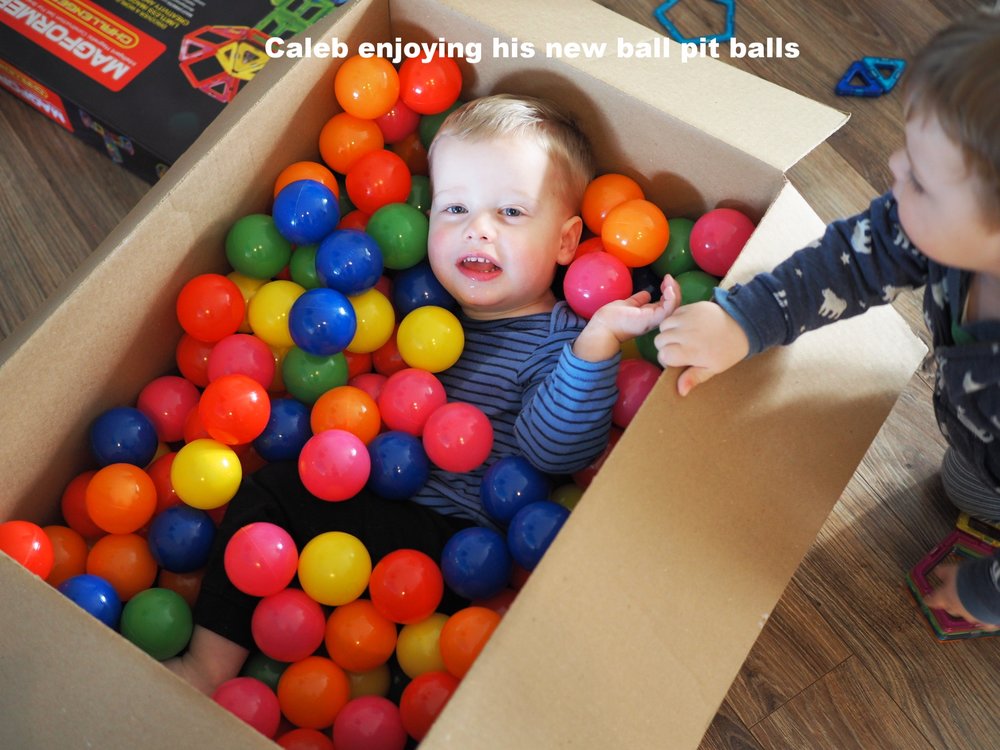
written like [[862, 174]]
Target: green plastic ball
[[302, 267], [265, 669], [255, 248], [420, 193], [309, 376], [696, 286], [401, 233], [676, 258], [646, 347], [158, 621], [430, 124]]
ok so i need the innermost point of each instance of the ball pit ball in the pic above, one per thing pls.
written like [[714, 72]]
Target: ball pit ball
[[180, 538], [312, 691], [378, 681], [210, 306], [286, 432], [358, 638], [408, 398], [458, 437], [429, 87], [255, 246], [418, 648], [124, 561], [269, 309], [376, 322], [636, 378], [509, 484], [717, 238], [423, 699], [121, 498], [191, 356], [696, 286], [420, 193], [636, 232], [263, 668], [234, 409], [533, 529], [94, 595], [386, 359], [417, 286], [322, 322], [304, 739], [261, 559], [69, 554], [464, 636], [346, 408], [401, 232], [406, 586], [334, 568], [308, 376], [376, 179], [29, 545], [123, 434], [344, 139], [158, 621], [302, 266], [288, 626], [166, 401], [206, 474], [241, 354], [349, 261], [334, 465], [305, 212], [187, 585], [306, 170], [366, 87], [414, 155], [676, 258], [604, 193], [399, 465], [595, 279], [568, 495], [73, 505], [252, 701], [248, 288], [398, 122], [430, 338], [476, 563], [369, 722]]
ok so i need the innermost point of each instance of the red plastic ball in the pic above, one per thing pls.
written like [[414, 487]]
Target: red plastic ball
[[636, 377], [159, 472], [252, 701], [166, 401], [74, 506], [192, 359], [261, 559], [399, 122], [69, 554], [242, 354], [334, 465], [234, 409], [210, 306], [717, 238], [429, 87], [288, 626], [408, 399], [305, 739], [423, 699], [371, 383], [369, 722], [406, 586], [595, 279], [29, 545], [458, 437], [377, 179]]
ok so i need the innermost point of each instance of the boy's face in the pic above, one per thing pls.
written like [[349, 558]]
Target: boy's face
[[499, 225], [939, 206]]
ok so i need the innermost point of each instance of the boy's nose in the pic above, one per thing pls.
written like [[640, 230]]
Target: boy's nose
[[480, 227]]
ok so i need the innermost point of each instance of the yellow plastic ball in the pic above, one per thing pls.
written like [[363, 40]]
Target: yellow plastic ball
[[334, 568], [418, 647], [376, 321], [430, 338], [373, 682], [206, 474], [248, 287], [268, 312]]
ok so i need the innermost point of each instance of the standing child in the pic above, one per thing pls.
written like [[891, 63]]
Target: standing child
[[508, 179], [938, 227]]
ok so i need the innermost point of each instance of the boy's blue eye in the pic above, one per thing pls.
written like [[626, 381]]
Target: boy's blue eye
[[510, 212], [454, 210]]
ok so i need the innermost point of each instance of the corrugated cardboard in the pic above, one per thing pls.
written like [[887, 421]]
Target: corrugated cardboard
[[639, 617]]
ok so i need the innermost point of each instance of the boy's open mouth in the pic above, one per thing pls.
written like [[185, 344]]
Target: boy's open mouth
[[479, 266]]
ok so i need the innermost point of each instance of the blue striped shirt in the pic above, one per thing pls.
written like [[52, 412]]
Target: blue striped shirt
[[544, 403]]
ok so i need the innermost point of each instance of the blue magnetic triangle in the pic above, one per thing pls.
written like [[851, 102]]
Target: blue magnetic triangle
[[886, 70], [660, 14], [870, 87]]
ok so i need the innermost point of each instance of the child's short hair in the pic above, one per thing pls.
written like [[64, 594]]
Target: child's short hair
[[554, 130], [956, 78]]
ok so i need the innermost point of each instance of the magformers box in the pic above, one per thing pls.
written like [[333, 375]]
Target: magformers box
[[140, 79], [630, 631]]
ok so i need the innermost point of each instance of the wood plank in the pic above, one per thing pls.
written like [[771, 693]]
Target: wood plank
[[727, 732], [844, 710]]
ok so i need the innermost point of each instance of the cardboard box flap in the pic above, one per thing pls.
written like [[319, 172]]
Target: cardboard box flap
[[708, 532], [773, 124]]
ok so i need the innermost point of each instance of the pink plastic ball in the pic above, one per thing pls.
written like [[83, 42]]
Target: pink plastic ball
[[636, 377], [717, 238], [458, 437], [370, 382], [252, 701], [166, 401], [242, 354], [261, 559], [334, 465], [288, 626], [369, 722], [595, 279], [408, 399]]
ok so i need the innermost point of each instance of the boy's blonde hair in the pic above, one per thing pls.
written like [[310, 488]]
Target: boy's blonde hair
[[555, 131], [956, 78]]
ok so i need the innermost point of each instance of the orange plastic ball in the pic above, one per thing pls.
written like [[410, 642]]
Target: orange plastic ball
[[463, 637], [366, 87], [411, 150], [312, 691], [186, 584], [604, 193], [69, 554], [635, 232], [74, 506], [124, 561], [358, 638], [347, 408], [306, 170], [345, 138], [121, 498]]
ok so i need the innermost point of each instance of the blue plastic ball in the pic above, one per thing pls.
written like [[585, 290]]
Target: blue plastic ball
[[322, 322], [180, 538], [532, 530], [349, 261], [476, 563], [510, 484], [417, 286], [305, 211], [96, 595], [287, 431], [123, 435], [400, 466]]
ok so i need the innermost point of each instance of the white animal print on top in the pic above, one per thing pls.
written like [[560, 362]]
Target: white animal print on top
[[833, 306], [861, 241]]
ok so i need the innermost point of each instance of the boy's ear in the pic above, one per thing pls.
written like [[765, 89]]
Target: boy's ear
[[569, 238]]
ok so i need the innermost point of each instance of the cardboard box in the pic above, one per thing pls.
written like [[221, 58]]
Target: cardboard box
[[631, 630], [140, 79]]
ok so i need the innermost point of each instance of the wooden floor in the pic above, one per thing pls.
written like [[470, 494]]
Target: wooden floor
[[846, 660]]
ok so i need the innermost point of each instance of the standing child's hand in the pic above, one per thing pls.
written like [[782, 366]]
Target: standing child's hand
[[622, 320], [945, 596], [702, 338]]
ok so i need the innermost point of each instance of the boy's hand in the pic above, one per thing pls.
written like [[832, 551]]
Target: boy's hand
[[622, 320], [945, 597], [703, 339]]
